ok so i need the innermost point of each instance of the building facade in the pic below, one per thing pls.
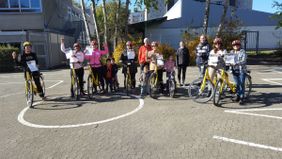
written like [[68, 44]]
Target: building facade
[[43, 23]]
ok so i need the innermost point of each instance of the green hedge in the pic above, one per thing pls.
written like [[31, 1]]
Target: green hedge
[[6, 60]]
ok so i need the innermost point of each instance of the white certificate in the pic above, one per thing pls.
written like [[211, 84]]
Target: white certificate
[[160, 62], [32, 65], [230, 59], [131, 55], [88, 50], [213, 59]]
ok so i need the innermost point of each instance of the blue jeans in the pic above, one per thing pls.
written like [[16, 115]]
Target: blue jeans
[[239, 79]]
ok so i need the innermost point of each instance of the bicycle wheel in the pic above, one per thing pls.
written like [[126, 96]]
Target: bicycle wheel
[[248, 86], [75, 88], [127, 84], [90, 87], [205, 94], [217, 92], [194, 87], [29, 93], [42, 84], [171, 87], [153, 85]]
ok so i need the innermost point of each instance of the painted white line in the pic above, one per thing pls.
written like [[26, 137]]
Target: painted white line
[[26, 123], [23, 82], [247, 112], [247, 143], [272, 80], [7, 95], [55, 84]]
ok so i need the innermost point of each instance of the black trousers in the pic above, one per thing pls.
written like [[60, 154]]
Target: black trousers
[[99, 72], [181, 70], [79, 73]]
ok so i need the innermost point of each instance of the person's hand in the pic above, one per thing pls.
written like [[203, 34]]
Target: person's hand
[[105, 45], [14, 55], [73, 56], [62, 40]]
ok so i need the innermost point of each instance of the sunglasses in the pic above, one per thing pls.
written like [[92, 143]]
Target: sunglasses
[[237, 45], [154, 46], [76, 46]]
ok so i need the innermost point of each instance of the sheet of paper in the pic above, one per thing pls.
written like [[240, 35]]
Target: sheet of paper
[[88, 50], [32, 65], [230, 59]]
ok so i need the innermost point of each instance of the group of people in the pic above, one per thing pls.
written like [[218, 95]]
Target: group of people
[[150, 60], [206, 55]]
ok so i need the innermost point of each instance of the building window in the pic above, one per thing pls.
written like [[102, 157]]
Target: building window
[[14, 6]]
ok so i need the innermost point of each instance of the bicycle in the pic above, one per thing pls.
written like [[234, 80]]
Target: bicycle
[[201, 90], [92, 83], [75, 87], [31, 89], [128, 82], [224, 85], [171, 84]]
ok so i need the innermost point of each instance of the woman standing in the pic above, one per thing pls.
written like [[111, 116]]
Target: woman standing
[[182, 61], [94, 58], [216, 53], [76, 58], [239, 69], [128, 59]]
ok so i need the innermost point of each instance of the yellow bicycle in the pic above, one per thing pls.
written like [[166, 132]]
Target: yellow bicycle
[[224, 86], [127, 82], [75, 87], [92, 83], [201, 90], [31, 89]]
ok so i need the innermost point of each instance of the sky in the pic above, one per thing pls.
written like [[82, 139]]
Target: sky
[[264, 5]]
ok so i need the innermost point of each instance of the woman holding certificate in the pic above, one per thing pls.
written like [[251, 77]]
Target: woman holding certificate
[[239, 69], [94, 55], [76, 58], [216, 53], [28, 60]]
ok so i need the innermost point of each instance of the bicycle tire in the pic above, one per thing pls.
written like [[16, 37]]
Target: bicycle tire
[[194, 87], [248, 86], [75, 88], [29, 93], [172, 87], [206, 94], [217, 93], [41, 78], [90, 87], [153, 85], [127, 84]]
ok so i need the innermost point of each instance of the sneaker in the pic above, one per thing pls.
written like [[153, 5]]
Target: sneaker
[[41, 94], [242, 102]]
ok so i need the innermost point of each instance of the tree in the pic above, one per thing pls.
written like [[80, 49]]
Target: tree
[[85, 20], [116, 19], [94, 15], [222, 19], [278, 13], [105, 21], [206, 18], [126, 16]]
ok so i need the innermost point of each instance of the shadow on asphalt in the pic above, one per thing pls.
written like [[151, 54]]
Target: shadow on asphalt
[[64, 102]]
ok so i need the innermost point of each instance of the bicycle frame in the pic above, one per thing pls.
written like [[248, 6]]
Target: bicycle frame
[[225, 78], [94, 78], [207, 77]]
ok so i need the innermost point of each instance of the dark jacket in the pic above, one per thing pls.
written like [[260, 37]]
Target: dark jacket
[[124, 60], [182, 57], [202, 52], [22, 59]]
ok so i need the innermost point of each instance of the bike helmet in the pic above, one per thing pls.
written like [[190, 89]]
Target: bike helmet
[[236, 42], [27, 43], [217, 41]]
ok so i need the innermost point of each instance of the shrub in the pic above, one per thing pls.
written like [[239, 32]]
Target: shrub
[[6, 61], [166, 50]]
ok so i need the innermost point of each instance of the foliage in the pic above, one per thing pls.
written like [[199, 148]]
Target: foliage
[[111, 8], [231, 31], [6, 61], [166, 50], [278, 14]]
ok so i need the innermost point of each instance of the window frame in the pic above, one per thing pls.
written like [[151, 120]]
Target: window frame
[[20, 9]]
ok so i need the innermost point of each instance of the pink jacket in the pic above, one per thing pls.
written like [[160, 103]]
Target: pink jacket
[[169, 66], [94, 59]]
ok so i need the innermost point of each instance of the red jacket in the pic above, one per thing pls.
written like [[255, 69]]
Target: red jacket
[[142, 53]]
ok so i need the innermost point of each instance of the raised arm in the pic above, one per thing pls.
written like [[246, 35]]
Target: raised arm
[[63, 49], [106, 51]]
